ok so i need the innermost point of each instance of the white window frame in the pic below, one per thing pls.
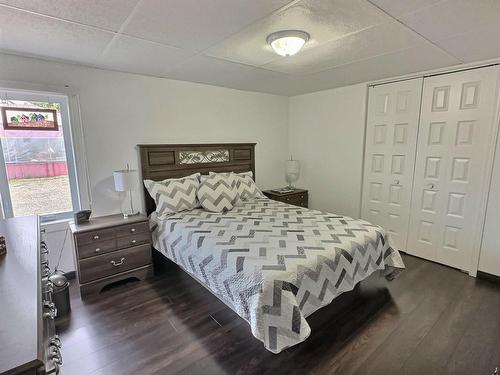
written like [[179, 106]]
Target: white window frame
[[69, 145]]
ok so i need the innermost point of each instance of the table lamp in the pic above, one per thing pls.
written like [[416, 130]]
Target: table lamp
[[292, 172], [125, 180]]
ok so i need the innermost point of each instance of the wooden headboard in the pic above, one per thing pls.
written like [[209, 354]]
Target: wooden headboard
[[162, 161]]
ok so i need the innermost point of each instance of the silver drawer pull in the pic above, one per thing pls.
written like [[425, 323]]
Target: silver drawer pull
[[49, 315], [97, 249], [132, 230], [55, 341], [96, 237], [49, 288], [133, 242], [55, 355], [116, 264]]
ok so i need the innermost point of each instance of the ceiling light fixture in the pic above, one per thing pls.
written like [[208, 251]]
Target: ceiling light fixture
[[287, 42]]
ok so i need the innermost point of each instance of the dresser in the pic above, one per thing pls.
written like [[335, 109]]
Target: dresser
[[298, 197], [110, 249], [27, 329]]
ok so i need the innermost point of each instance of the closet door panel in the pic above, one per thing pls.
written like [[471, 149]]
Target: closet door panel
[[456, 125], [391, 136]]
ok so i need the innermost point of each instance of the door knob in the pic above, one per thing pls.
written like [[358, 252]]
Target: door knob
[[431, 186], [396, 182]]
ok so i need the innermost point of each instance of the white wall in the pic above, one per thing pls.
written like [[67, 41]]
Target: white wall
[[326, 133], [121, 110]]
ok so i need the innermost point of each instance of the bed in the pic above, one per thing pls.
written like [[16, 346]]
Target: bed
[[272, 263]]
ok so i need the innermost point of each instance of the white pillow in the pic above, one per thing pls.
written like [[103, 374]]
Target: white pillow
[[217, 193], [174, 194], [247, 188]]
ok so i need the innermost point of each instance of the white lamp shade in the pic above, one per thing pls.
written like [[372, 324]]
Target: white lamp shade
[[292, 167], [124, 179], [292, 171]]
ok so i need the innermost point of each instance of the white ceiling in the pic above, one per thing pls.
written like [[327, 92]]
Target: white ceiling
[[222, 42]]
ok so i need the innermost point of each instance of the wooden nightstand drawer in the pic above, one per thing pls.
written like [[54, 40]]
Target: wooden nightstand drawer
[[95, 236], [133, 240], [132, 229], [299, 197], [118, 261], [97, 248]]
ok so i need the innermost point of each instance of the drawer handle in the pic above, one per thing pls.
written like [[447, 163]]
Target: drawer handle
[[55, 341], [98, 249], [96, 237], [133, 242], [49, 315], [132, 230], [116, 264]]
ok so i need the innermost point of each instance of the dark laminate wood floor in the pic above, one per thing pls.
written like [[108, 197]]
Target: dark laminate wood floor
[[431, 320]]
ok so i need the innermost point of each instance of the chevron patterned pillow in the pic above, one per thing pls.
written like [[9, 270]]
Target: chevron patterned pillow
[[174, 194], [217, 193], [247, 188]]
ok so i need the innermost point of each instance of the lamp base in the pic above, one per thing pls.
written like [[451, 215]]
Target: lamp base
[[126, 215]]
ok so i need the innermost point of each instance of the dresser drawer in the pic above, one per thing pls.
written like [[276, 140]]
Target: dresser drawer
[[118, 261], [95, 236], [96, 248], [131, 229], [133, 240]]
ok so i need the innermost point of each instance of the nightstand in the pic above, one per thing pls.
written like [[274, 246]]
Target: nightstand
[[109, 249], [298, 197]]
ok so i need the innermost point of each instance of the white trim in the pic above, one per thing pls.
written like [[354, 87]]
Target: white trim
[[55, 226], [80, 152], [426, 73], [363, 164], [37, 88]]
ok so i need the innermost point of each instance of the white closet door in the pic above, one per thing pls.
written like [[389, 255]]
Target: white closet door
[[454, 142], [391, 138]]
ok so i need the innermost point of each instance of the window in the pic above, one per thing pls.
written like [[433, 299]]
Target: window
[[37, 167]]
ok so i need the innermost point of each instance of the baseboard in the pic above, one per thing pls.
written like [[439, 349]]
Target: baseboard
[[488, 276]]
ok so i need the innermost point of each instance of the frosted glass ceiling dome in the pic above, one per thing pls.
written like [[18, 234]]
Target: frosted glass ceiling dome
[[287, 42]]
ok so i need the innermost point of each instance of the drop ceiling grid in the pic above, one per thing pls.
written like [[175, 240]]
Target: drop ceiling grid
[[226, 46]]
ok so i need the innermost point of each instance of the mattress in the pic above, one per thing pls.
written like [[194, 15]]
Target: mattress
[[273, 263]]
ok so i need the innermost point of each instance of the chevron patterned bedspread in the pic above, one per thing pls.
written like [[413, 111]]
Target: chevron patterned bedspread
[[274, 264]]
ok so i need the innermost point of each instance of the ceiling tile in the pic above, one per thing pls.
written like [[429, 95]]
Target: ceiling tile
[[262, 80], [108, 14], [399, 8], [480, 44], [196, 24], [208, 70], [412, 60], [44, 36], [378, 40], [204, 69], [324, 20], [453, 17], [134, 55]]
